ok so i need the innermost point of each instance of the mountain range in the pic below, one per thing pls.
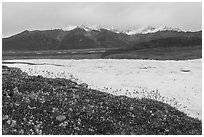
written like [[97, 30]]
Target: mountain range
[[143, 30], [85, 37]]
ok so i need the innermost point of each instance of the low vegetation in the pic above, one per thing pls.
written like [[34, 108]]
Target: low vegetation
[[38, 105], [160, 49]]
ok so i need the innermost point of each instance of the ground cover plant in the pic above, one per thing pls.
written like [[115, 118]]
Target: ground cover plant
[[38, 105]]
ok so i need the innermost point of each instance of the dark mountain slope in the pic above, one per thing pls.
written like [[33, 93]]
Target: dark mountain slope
[[26, 40], [168, 42], [176, 48], [110, 39], [60, 40], [137, 38], [78, 38]]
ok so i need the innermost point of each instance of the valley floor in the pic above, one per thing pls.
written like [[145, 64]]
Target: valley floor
[[178, 83]]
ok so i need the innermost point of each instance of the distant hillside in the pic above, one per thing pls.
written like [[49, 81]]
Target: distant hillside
[[62, 40], [82, 38], [34, 40], [176, 48]]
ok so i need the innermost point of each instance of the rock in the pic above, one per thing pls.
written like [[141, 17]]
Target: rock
[[185, 70], [76, 96], [131, 108], [60, 117], [15, 90], [72, 84], [5, 67], [123, 132], [84, 85], [54, 110], [132, 133], [5, 117]]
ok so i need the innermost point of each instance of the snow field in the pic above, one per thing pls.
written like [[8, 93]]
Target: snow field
[[178, 83]]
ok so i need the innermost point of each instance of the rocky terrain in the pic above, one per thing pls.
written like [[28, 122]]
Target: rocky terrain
[[38, 105]]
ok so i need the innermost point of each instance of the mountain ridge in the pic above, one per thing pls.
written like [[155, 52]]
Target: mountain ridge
[[142, 30], [84, 37]]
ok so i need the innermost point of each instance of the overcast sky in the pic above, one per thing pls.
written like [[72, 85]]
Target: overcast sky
[[17, 17]]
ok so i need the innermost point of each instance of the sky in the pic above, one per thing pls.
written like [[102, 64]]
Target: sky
[[19, 16]]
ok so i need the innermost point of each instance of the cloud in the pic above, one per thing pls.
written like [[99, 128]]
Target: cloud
[[18, 17]]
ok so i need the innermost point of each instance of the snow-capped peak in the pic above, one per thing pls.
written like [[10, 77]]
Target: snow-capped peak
[[143, 30], [69, 28], [90, 27], [149, 29], [165, 28], [113, 30], [85, 27], [98, 28]]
